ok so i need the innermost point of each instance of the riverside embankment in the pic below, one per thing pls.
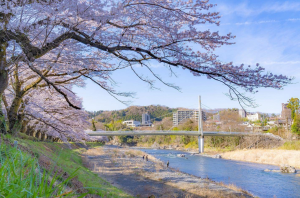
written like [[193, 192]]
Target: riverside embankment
[[50, 161], [266, 156], [125, 169]]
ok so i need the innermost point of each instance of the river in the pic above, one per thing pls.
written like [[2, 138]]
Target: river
[[248, 176]]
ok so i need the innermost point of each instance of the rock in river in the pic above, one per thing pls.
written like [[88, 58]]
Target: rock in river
[[217, 156], [287, 169]]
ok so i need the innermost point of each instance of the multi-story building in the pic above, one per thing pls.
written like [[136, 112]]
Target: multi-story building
[[286, 113], [146, 119], [242, 113], [181, 116]]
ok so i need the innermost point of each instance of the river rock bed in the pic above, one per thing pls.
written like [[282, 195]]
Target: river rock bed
[[126, 169]]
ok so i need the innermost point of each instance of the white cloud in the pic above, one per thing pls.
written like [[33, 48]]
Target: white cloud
[[282, 7], [295, 19], [256, 22], [260, 22], [274, 48], [243, 9], [282, 63]]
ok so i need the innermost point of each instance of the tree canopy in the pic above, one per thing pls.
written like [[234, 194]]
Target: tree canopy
[[294, 105], [63, 42]]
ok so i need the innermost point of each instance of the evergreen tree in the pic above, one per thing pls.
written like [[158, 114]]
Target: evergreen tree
[[294, 105], [296, 125], [93, 125]]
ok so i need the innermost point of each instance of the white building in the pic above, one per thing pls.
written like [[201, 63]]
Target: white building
[[182, 116], [132, 123], [249, 127], [271, 122], [253, 117]]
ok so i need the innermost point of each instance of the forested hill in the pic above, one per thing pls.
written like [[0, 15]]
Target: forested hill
[[156, 112]]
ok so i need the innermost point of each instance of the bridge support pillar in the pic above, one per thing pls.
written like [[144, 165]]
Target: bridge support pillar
[[200, 129], [201, 143]]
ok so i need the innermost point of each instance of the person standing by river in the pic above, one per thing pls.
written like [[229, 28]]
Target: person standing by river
[[147, 158], [168, 163], [143, 157]]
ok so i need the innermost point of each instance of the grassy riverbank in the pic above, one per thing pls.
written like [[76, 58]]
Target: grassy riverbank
[[21, 176], [73, 176], [187, 142], [192, 147], [50, 158]]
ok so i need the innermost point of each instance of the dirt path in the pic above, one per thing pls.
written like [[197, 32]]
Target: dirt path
[[125, 169]]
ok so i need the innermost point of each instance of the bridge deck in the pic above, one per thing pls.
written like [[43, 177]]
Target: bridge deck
[[195, 133]]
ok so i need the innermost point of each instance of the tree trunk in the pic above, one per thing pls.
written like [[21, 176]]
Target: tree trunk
[[15, 116], [44, 137], [3, 127], [3, 83], [24, 126], [38, 135], [3, 78]]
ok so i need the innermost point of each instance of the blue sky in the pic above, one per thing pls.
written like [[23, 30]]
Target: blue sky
[[267, 32]]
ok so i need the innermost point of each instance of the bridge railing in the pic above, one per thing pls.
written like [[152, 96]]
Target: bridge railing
[[194, 133]]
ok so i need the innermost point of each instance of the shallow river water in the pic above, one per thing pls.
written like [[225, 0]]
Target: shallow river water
[[248, 176]]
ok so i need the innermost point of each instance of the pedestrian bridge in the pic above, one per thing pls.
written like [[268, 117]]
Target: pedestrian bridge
[[200, 133], [194, 133]]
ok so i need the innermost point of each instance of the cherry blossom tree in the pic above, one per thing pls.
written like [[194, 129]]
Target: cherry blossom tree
[[30, 104], [96, 37], [47, 111]]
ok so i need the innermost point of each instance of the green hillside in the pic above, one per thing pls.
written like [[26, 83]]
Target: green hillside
[[157, 113]]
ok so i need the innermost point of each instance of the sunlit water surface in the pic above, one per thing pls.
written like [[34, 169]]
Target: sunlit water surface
[[248, 176]]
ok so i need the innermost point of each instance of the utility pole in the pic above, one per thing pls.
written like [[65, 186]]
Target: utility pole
[[200, 129]]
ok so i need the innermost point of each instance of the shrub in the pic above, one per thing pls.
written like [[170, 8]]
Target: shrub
[[291, 145], [295, 128]]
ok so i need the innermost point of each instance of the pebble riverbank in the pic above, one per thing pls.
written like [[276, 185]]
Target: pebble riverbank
[[126, 169]]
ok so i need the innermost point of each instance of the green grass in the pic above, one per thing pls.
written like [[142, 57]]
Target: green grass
[[21, 176], [70, 160], [192, 145], [291, 145]]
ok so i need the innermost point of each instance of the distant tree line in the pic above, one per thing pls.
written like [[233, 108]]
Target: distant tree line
[[93, 114], [157, 113]]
